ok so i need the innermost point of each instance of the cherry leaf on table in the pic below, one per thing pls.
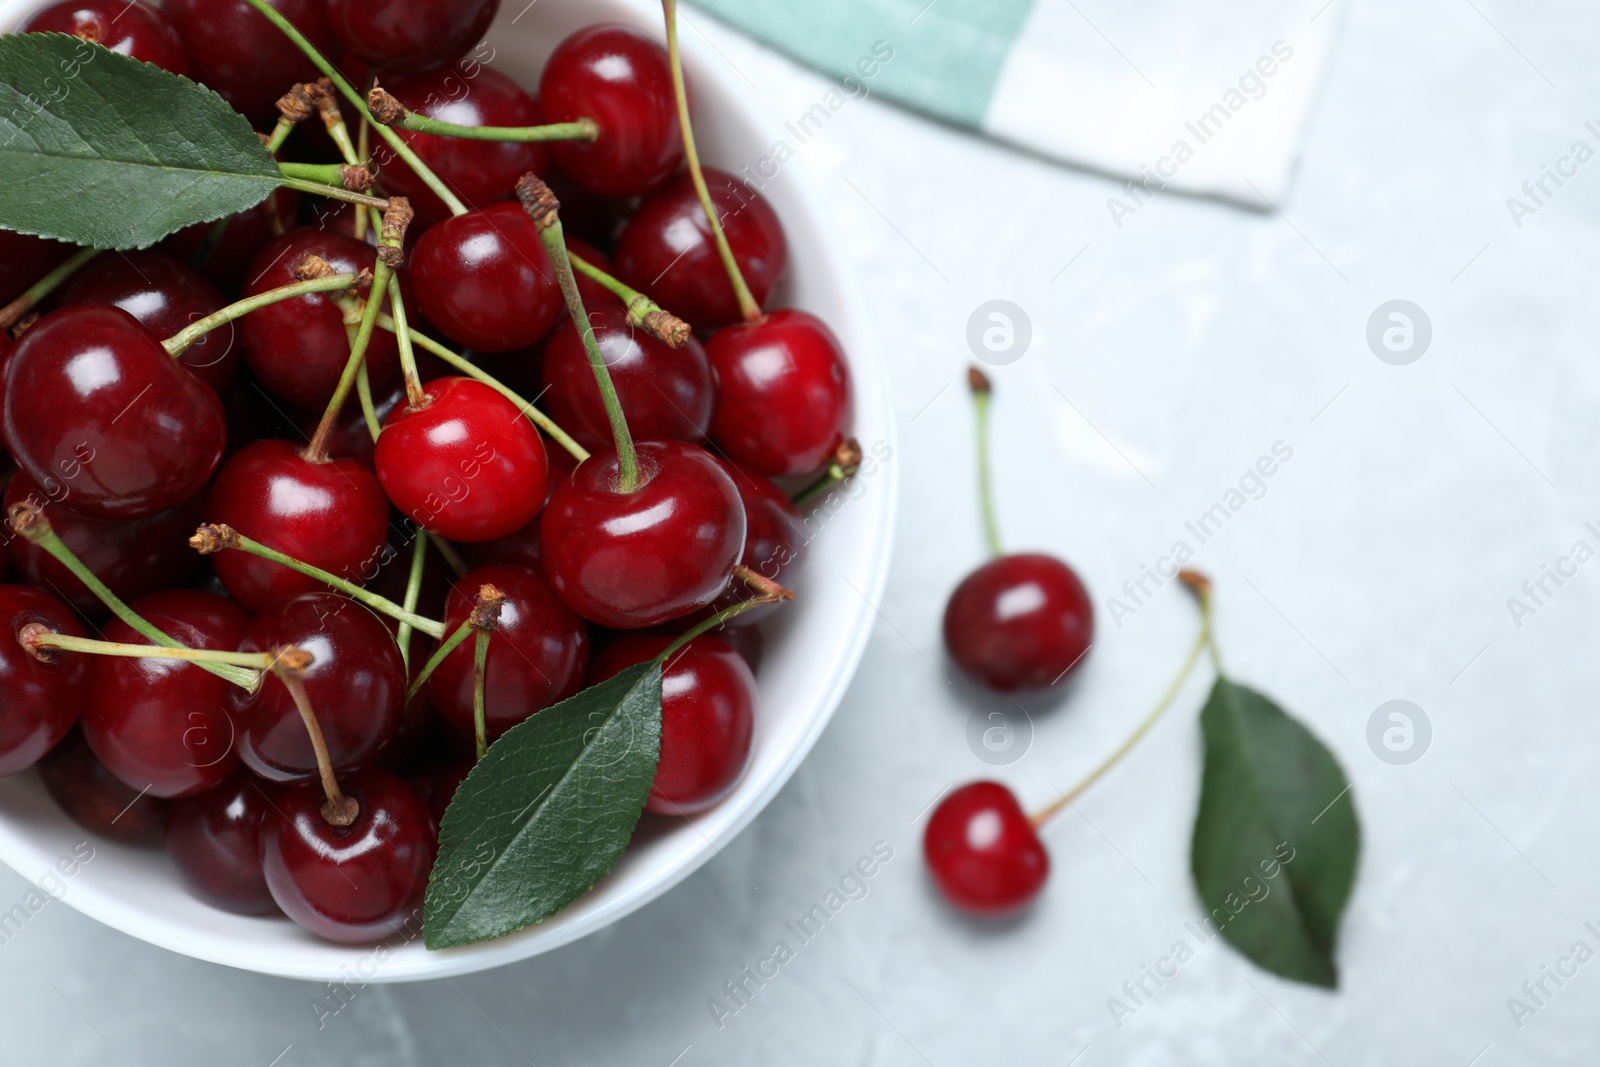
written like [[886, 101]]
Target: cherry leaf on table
[[546, 812], [100, 149], [1276, 839]]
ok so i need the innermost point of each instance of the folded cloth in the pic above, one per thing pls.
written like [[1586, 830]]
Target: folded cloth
[[1202, 96]]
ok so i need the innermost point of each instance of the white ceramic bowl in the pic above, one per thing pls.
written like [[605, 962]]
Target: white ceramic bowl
[[812, 650]]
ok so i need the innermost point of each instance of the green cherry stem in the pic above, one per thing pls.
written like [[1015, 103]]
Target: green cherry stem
[[332, 191], [280, 133], [315, 282], [13, 312], [419, 559], [28, 520], [747, 301], [39, 640], [770, 592], [543, 208], [846, 462], [451, 643], [415, 397], [369, 411], [981, 389], [485, 619], [386, 110], [218, 537], [642, 311], [338, 809]]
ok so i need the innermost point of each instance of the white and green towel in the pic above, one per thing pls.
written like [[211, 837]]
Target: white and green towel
[[1203, 96]]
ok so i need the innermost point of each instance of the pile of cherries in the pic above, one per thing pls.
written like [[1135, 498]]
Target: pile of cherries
[[121, 451]]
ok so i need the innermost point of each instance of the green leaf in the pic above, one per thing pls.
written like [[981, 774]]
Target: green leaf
[[102, 150], [1276, 838], [546, 812]]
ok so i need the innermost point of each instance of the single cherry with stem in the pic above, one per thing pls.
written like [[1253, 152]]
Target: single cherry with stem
[[484, 278], [128, 27]]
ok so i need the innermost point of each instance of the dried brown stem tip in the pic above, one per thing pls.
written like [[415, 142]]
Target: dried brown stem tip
[[356, 179], [341, 811], [214, 537], [364, 279], [978, 381], [386, 110], [538, 201], [27, 518], [312, 267], [848, 455], [667, 327], [762, 584], [24, 324], [297, 104], [1197, 583], [28, 637], [396, 217], [486, 613], [293, 659], [327, 103]]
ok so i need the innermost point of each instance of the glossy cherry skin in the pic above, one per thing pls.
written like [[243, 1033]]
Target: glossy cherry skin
[[484, 279], [983, 852], [356, 686], [166, 296], [247, 60], [479, 172], [42, 697], [1019, 622], [620, 78], [708, 715], [410, 35], [96, 799], [225, 257], [24, 259], [132, 558], [783, 393], [537, 656], [128, 27], [214, 840], [332, 515], [298, 348], [775, 541], [164, 725], [631, 560], [467, 466], [355, 883], [143, 433], [668, 251]]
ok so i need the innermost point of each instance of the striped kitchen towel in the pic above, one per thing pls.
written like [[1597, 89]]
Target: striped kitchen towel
[[1204, 96]]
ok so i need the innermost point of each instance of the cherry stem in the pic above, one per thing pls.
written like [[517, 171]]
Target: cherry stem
[[451, 556], [770, 593], [846, 462], [419, 558], [179, 342], [369, 412], [218, 537], [326, 102], [39, 640], [415, 396], [386, 110], [13, 312], [1202, 640], [280, 133], [354, 178], [28, 520], [451, 643], [642, 311], [485, 619], [544, 209], [981, 389], [332, 191], [396, 142], [747, 301], [338, 809]]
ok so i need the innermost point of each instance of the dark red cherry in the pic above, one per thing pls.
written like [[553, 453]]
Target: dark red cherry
[[775, 540], [24, 259], [631, 560], [166, 296], [479, 172], [128, 27], [443, 783], [537, 656], [247, 60], [133, 558], [483, 278], [667, 249], [520, 548], [708, 716], [96, 799], [160, 724], [92, 400], [224, 251], [983, 852], [332, 515], [410, 35], [298, 348], [355, 883], [42, 697], [783, 393], [665, 391], [467, 465], [214, 840], [356, 684], [619, 77], [1019, 622]]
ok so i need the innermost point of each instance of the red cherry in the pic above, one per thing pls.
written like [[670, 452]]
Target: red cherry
[[783, 393], [166, 297], [620, 78], [163, 725], [411, 35], [775, 541], [520, 548], [631, 560], [225, 255], [537, 655], [983, 852], [42, 697], [667, 249], [484, 279], [479, 172], [132, 558], [92, 400], [247, 60], [298, 348], [708, 708], [665, 392], [24, 259], [356, 685], [332, 515], [1019, 622], [128, 27], [467, 465], [96, 799], [214, 840], [354, 883]]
